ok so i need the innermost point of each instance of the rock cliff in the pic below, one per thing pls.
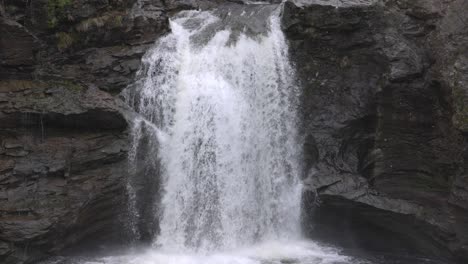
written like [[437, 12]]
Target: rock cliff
[[383, 111], [64, 141]]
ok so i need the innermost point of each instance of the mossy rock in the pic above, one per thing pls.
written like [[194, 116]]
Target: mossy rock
[[56, 12], [109, 20], [460, 96], [64, 40], [67, 85]]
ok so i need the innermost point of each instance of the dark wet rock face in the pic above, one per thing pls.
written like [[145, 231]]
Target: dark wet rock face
[[383, 122], [63, 135], [62, 165], [98, 43]]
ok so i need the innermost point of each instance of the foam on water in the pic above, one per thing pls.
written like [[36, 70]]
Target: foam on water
[[278, 252]]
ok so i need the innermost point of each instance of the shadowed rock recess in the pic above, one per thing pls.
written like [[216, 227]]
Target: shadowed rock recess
[[384, 114]]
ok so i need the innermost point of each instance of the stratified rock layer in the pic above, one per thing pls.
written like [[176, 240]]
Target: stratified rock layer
[[63, 136], [383, 118], [62, 164]]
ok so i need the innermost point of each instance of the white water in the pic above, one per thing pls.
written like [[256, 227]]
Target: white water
[[228, 140], [218, 97], [278, 252]]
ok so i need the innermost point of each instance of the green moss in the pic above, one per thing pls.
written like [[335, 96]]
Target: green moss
[[109, 20], [460, 100], [117, 21], [67, 85], [72, 86], [89, 23], [55, 11], [64, 40]]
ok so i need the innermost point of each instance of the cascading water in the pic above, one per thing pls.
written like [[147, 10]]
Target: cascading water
[[221, 93], [217, 105]]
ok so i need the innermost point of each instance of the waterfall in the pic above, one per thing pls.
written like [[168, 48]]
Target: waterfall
[[214, 163], [220, 92]]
